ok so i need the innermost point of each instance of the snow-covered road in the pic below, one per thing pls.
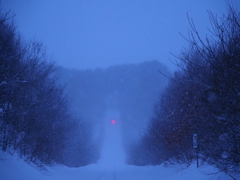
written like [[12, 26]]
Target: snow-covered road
[[12, 168], [110, 167]]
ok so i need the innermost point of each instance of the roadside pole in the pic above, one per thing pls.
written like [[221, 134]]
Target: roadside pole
[[195, 146]]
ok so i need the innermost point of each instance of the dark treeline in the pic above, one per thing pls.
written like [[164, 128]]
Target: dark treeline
[[129, 89], [35, 121], [202, 98]]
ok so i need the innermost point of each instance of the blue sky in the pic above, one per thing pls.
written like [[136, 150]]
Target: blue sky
[[84, 34]]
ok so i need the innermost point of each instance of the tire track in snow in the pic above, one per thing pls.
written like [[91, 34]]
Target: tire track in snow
[[108, 173]]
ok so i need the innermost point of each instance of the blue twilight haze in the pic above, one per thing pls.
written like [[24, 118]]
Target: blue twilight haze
[[89, 34]]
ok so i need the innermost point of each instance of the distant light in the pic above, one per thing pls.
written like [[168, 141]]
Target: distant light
[[113, 121]]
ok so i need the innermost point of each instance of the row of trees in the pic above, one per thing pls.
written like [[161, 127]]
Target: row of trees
[[34, 116], [202, 98]]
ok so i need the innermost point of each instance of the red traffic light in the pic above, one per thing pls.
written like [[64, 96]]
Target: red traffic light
[[113, 121]]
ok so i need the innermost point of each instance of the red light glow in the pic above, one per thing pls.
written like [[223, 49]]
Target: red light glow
[[113, 121]]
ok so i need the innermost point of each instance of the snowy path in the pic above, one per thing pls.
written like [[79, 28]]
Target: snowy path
[[110, 167], [15, 169]]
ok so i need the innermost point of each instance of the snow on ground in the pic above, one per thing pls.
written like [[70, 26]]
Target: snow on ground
[[110, 167], [12, 168]]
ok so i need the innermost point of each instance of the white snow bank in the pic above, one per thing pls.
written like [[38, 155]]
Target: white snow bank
[[12, 168]]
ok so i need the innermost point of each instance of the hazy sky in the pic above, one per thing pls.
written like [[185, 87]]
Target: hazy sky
[[98, 33]]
